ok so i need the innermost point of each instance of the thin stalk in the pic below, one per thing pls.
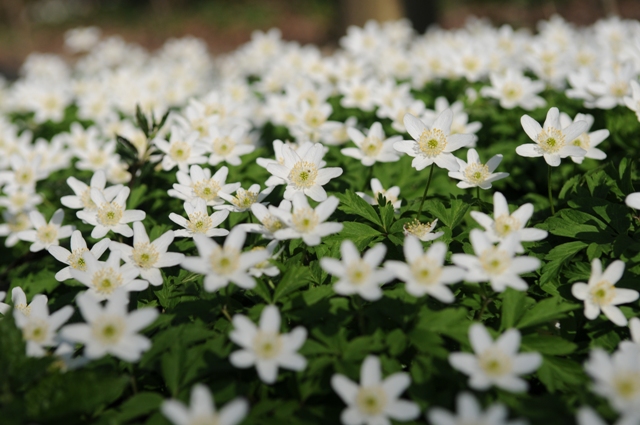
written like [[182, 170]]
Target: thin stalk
[[426, 189], [367, 181], [478, 193], [553, 209]]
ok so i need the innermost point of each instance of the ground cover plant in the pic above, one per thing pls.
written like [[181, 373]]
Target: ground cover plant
[[435, 228]]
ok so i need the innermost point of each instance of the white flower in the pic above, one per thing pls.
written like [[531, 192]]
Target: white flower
[[266, 267], [20, 199], [19, 300], [601, 294], [551, 140], [224, 264], [421, 230], [103, 278], [202, 410], [633, 102], [39, 329], [514, 89], [200, 222], [375, 400], [632, 200], [45, 234], [111, 215], [74, 258], [470, 412], [270, 223], [587, 140], [4, 307], [305, 222], [302, 171], [228, 146], [199, 183], [495, 362], [148, 257], [374, 147], [13, 225], [358, 275], [82, 198], [111, 329], [432, 144], [391, 194], [504, 224], [617, 378], [473, 173], [181, 149], [424, 272], [587, 416], [495, 264], [244, 199], [265, 347]]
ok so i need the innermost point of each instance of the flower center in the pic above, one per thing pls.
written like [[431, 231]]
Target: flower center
[[582, 141], [627, 386], [272, 224], [144, 254], [551, 140], [267, 345], [47, 234], [205, 420], [512, 91], [109, 214], [304, 219], [199, 222], [86, 200], [476, 173], [619, 88], [180, 151], [206, 189], [24, 176], [106, 280], [314, 118], [358, 272], [371, 400], [19, 222], [505, 224], [371, 146], [432, 142], [303, 175], [495, 261], [23, 308], [602, 293], [223, 146], [224, 261], [426, 271], [244, 198], [419, 229], [75, 259], [36, 330], [494, 362], [109, 329]]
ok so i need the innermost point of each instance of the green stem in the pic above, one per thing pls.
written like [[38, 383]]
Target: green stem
[[478, 193], [426, 189], [553, 209], [358, 303], [367, 181]]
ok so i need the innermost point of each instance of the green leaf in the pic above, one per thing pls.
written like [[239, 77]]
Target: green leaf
[[452, 322], [396, 341], [140, 404], [294, 278], [359, 233], [548, 344], [136, 196], [353, 204], [545, 311], [387, 214], [561, 374], [514, 304]]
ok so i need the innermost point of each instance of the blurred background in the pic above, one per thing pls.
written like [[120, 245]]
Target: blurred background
[[38, 25]]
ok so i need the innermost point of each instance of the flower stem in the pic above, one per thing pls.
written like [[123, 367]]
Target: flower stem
[[553, 209], [478, 193], [426, 189]]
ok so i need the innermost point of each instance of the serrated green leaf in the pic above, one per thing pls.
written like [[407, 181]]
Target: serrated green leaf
[[351, 203], [294, 278]]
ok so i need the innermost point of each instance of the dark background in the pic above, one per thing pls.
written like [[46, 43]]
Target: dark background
[[38, 25]]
